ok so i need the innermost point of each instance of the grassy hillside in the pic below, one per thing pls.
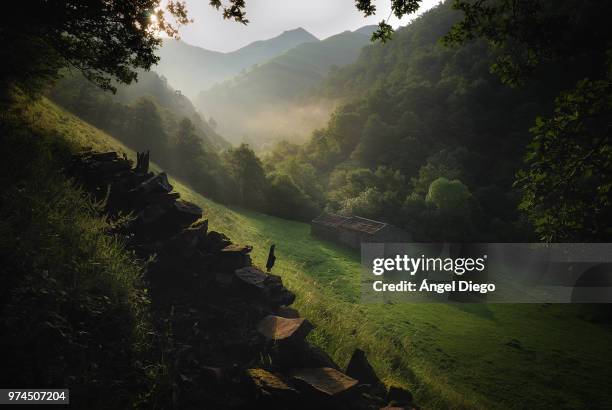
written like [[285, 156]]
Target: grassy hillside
[[74, 309], [466, 356]]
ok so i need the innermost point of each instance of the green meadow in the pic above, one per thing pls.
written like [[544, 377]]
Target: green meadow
[[449, 356]]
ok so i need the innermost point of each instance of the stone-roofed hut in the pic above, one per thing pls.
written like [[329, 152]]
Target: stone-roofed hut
[[353, 230]]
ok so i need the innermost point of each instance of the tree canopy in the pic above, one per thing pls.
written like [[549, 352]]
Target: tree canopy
[[105, 40]]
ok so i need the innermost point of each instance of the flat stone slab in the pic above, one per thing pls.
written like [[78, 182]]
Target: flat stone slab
[[269, 287], [360, 369], [288, 312], [252, 276], [326, 380], [279, 328], [264, 380], [157, 184], [238, 249]]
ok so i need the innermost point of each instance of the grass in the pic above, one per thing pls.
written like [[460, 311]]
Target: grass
[[467, 356], [74, 309]]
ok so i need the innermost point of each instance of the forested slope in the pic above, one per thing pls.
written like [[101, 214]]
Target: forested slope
[[420, 112]]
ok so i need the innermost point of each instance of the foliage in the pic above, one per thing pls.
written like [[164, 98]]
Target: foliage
[[177, 137], [419, 111], [103, 39], [449, 196], [567, 183], [399, 8], [248, 173], [527, 34], [286, 200]]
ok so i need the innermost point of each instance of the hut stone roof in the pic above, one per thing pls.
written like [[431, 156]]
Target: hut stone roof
[[353, 223]]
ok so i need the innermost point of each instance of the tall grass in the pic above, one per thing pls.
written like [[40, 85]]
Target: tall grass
[[75, 313]]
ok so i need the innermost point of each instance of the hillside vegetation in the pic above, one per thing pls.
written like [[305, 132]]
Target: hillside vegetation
[[75, 308], [432, 139], [468, 356]]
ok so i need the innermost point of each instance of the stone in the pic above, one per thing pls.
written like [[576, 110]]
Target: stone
[[165, 220], [103, 156], [214, 375], [157, 184], [288, 312], [359, 368], [277, 294], [137, 202], [142, 162], [185, 243], [237, 249], [110, 166], [184, 213], [252, 277], [160, 198], [270, 384], [314, 356], [214, 242], [399, 396], [151, 214], [224, 280], [276, 328], [271, 258], [325, 380], [260, 284], [233, 257]]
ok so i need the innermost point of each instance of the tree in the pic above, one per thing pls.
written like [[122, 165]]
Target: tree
[[449, 220], [213, 124], [188, 144], [145, 128], [566, 193], [567, 183], [527, 34], [247, 170], [376, 136], [399, 8], [286, 200], [104, 39], [450, 196], [441, 164]]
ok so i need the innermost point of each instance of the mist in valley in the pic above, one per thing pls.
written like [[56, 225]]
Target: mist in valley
[[266, 91]]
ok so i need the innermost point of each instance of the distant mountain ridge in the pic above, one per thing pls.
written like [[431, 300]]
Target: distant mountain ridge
[[192, 69], [269, 101]]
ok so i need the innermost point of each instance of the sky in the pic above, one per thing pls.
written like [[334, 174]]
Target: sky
[[269, 18]]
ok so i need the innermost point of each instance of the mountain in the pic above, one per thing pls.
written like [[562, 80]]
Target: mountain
[[270, 101], [192, 69], [367, 30]]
